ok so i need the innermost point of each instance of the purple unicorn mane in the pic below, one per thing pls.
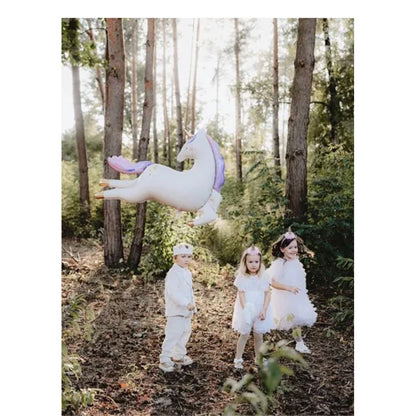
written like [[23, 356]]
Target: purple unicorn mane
[[219, 164]]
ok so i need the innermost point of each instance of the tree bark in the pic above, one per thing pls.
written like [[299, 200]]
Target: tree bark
[[188, 95], [239, 170], [195, 77], [334, 110], [296, 156], [217, 90], [177, 92], [166, 129], [137, 244], [84, 196], [97, 68], [276, 142], [134, 114], [115, 80], [155, 139]]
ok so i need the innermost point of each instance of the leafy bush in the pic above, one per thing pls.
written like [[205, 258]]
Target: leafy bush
[[73, 222], [252, 213], [73, 398], [77, 318], [269, 377], [329, 231], [163, 231]]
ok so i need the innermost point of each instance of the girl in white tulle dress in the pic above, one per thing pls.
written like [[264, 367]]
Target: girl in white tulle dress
[[289, 298], [252, 309]]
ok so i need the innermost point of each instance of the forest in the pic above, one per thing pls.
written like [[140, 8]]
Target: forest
[[277, 96]]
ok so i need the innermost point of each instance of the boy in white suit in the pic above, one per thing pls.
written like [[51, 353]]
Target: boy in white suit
[[179, 308]]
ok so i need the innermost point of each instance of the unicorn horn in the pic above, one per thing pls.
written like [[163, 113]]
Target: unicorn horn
[[187, 133]]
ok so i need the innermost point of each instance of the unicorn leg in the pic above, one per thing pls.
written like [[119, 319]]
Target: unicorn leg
[[209, 210], [117, 183], [134, 196]]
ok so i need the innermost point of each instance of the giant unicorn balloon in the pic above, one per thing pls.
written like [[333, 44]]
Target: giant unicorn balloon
[[196, 189]]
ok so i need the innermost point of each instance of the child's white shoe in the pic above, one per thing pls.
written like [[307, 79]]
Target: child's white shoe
[[238, 363], [167, 367], [302, 348], [186, 360]]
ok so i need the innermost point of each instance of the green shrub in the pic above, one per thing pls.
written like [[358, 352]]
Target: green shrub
[[77, 318], [258, 390], [73, 398]]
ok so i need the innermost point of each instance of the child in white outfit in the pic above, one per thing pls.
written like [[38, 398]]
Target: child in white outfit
[[290, 302], [252, 306], [179, 308]]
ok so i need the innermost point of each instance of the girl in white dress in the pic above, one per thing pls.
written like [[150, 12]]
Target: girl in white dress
[[252, 309], [289, 298]]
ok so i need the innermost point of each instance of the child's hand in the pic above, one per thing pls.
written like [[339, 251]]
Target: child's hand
[[294, 289], [262, 316], [191, 306]]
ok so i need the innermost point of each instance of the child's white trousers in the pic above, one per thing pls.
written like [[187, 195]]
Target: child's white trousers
[[177, 333]]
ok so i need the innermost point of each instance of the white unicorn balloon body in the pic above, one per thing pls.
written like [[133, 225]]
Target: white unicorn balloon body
[[196, 189]]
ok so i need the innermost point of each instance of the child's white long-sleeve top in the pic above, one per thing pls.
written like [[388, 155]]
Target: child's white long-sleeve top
[[178, 292]]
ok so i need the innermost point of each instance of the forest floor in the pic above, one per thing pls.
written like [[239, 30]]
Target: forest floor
[[120, 356]]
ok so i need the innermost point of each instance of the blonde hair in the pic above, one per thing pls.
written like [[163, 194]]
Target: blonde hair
[[242, 268]]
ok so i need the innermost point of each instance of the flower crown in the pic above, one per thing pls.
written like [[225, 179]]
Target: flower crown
[[288, 236], [252, 251]]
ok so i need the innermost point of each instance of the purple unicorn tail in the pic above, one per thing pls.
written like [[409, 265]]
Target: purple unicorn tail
[[122, 165]]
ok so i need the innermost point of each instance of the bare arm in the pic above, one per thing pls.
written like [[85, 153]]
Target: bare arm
[[267, 296], [281, 286], [242, 298]]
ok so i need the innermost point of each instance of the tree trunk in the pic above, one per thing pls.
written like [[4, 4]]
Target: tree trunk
[[166, 129], [296, 156], [188, 95], [134, 114], [217, 90], [239, 170], [276, 143], [137, 244], [177, 92], [194, 83], [115, 79], [155, 141], [334, 110], [84, 196], [97, 68]]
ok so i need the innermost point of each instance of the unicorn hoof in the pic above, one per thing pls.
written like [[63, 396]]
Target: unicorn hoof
[[104, 182], [99, 195]]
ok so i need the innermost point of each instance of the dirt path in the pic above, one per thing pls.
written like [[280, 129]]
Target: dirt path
[[121, 358]]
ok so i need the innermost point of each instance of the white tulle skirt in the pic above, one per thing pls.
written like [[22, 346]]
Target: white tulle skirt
[[291, 310]]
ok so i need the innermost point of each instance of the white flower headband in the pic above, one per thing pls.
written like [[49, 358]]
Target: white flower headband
[[288, 236], [252, 251]]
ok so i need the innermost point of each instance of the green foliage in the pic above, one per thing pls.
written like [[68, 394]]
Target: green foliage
[[76, 47], [343, 302], [252, 212], [94, 136], [77, 318], [259, 390], [330, 228], [163, 231], [73, 222], [73, 398]]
